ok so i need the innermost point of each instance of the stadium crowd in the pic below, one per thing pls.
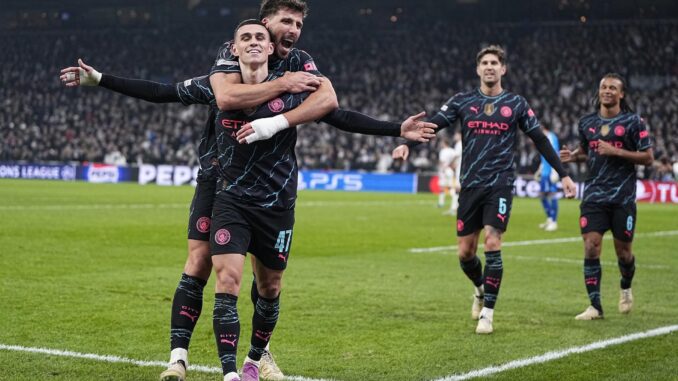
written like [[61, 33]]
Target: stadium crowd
[[393, 72]]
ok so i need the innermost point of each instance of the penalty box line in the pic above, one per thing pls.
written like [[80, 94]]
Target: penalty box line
[[123, 360], [555, 355]]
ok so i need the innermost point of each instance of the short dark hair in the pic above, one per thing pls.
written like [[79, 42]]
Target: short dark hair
[[251, 22], [271, 7], [623, 103], [492, 49]]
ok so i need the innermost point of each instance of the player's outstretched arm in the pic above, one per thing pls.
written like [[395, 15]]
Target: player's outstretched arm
[[231, 94], [85, 75], [412, 128]]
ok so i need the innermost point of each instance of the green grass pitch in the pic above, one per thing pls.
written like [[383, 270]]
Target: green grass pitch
[[92, 269]]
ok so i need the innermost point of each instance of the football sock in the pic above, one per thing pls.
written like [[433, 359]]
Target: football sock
[[546, 204], [627, 271], [263, 322], [473, 270], [226, 329], [186, 308], [254, 293], [592, 276], [494, 269], [554, 209]]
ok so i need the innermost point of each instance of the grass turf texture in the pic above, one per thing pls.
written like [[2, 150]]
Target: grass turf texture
[[92, 268]]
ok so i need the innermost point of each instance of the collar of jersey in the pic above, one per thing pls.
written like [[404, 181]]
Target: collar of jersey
[[491, 97]]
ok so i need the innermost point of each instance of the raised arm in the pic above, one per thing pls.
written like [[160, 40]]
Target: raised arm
[[191, 91]]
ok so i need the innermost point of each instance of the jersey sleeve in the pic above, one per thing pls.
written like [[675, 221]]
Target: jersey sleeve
[[225, 62], [583, 141], [195, 91], [448, 113], [445, 117], [527, 120], [641, 135], [305, 63]]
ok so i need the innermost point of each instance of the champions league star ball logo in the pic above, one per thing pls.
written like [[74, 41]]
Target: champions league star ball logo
[[506, 112], [222, 237], [276, 105], [203, 224], [619, 130]]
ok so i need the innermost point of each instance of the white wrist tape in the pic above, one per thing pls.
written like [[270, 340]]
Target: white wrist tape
[[89, 79], [264, 128]]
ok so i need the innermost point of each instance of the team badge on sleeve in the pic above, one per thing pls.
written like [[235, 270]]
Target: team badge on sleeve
[[310, 66]]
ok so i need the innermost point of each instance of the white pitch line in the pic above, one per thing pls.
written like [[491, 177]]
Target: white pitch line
[[71, 207], [93, 206], [554, 355], [539, 242], [124, 360]]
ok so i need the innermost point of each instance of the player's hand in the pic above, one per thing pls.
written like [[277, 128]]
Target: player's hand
[[606, 149], [569, 188], [413, 128], [81, 75], [566, 156], [261, 129], [244, 132], [401, 152], [300, 81]]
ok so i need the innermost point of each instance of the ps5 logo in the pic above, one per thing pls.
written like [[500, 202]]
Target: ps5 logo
[[331, 181]]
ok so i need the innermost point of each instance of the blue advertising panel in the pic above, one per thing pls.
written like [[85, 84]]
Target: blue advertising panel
[[357, 181], [37, 171]]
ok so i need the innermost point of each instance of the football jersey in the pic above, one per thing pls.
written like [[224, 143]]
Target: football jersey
[[489, 128], [611, 179], [198, 91], [263, 173]]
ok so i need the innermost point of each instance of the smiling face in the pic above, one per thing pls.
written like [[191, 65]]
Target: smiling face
[[490, 69], [285, 26], [252, 44], [610, 92]]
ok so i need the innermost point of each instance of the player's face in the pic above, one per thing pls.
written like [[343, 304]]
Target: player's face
[[610, 92], [490, 69], [285, 26], [252, 44]]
